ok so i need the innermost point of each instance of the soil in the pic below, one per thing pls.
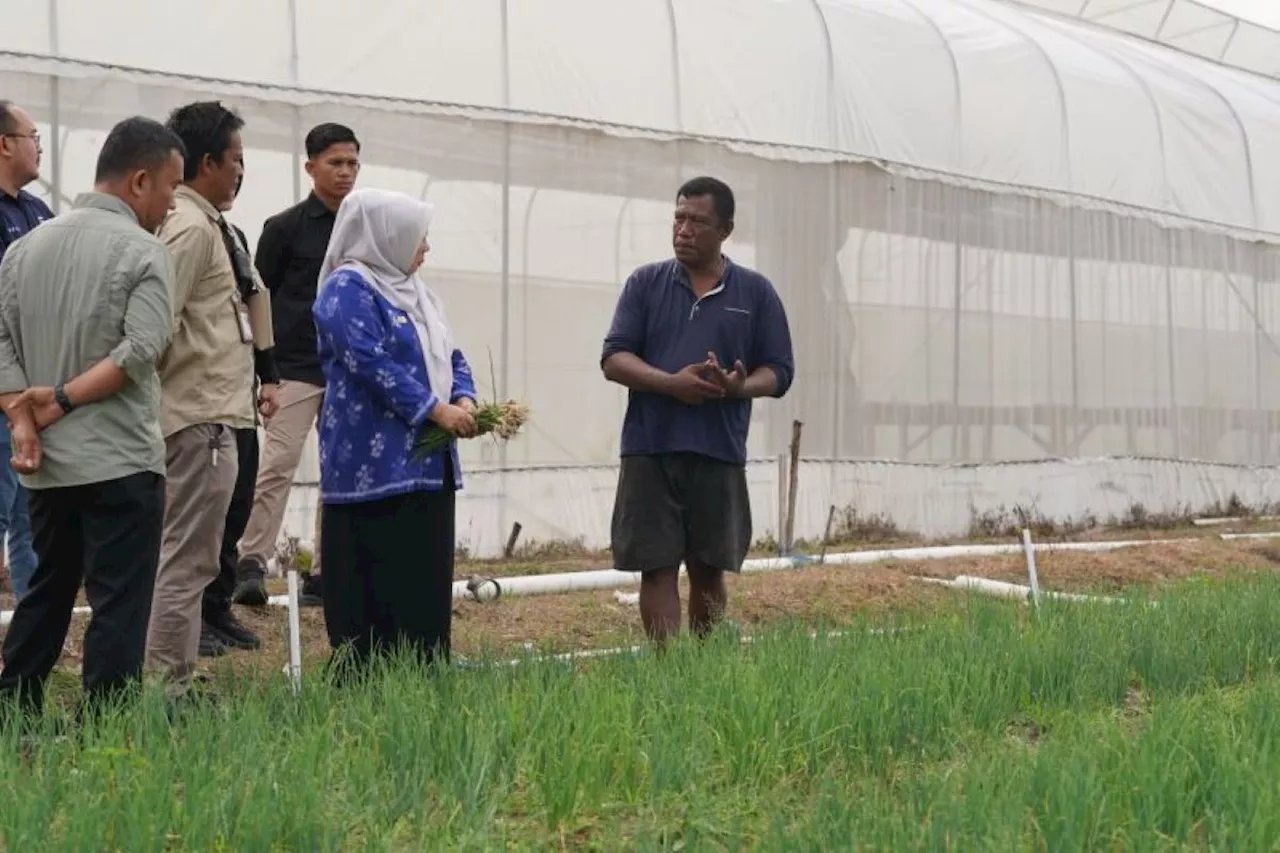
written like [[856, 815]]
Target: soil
[[830, 595]]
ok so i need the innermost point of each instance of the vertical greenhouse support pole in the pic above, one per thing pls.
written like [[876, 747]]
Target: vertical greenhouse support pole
[[296, 116], [504, 336], [955, 342], [55, 116], [1075, 332], [838, 311], [1257, 433], [1175, 422]]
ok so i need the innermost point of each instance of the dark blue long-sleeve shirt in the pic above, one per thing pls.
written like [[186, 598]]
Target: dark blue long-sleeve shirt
[[19, 215], [659, 319]]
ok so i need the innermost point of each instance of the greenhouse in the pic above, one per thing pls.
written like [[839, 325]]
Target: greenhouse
[[1029, 259]]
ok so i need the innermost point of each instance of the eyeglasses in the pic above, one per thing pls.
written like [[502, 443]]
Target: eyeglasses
[[34, 136]]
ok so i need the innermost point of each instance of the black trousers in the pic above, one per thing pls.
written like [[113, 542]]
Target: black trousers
[[388, 575], [217, 595], [106, 535]]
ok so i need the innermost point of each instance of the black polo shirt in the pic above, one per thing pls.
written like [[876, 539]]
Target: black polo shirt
[[290, 252]]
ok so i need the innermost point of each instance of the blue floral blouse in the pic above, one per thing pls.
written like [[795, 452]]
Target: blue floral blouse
[[377, 396]]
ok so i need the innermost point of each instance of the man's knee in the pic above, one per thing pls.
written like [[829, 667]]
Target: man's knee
[[660, 578]]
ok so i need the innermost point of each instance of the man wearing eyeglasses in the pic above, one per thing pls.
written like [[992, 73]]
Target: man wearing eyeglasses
[[20, 212]]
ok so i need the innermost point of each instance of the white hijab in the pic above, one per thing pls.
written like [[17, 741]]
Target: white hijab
[[377, 233]]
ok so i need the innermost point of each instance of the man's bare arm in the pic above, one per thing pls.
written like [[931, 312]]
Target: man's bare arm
[[762, 382], [103, 380], [631, 371]]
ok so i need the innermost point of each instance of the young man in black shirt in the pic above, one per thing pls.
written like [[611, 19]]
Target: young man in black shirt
[[289, 255]]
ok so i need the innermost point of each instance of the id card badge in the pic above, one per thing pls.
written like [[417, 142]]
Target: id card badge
[[246, 328]]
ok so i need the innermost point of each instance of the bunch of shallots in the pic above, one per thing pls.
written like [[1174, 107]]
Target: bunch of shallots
[[501, 420]]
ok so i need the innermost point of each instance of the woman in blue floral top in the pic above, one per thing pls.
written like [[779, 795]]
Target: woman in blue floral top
[[390, 366]]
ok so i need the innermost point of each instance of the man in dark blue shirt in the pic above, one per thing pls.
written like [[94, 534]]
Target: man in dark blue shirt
[[20, 212], [695, 339]]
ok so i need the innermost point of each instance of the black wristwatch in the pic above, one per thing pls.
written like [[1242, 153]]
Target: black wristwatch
[[60, 394]]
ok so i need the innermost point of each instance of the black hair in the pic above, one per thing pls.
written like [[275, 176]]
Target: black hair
[[721, 196], [205, 127], [324, 136], [136, 144], [8, 124]]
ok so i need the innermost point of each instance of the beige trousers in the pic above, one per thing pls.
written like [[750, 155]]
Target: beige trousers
[[281, 451], [200, 475]]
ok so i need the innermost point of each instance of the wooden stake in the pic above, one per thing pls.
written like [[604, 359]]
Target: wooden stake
[[826, 534], [793, 473], [511, 541]]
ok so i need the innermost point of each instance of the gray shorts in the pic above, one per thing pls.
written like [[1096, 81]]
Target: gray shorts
[[678, 506]]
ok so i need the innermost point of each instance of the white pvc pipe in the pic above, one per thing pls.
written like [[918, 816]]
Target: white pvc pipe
[[295, 634], [562, 582], [1004, 589], [632, 650], [1029, 550], [491, 588], [6, 616], [1232, 519], [612, 579], [1249, 535]]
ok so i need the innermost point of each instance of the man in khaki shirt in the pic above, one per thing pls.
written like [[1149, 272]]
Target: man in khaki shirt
[[206, 380]]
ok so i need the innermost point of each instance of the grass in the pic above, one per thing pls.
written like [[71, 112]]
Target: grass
[[1085, 728]]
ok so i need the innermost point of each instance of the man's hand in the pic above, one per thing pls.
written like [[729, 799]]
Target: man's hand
[[28, 452], [693, 386], [467, 405], [730, 381], [42, 404], [454, 419], [268, 401]]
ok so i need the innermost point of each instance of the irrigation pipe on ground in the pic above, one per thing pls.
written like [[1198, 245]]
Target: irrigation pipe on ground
[[487, 589], [588, 654], [1004, 589]]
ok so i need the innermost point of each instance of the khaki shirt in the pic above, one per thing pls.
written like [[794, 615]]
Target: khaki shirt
[[89, 285], [207, 373]]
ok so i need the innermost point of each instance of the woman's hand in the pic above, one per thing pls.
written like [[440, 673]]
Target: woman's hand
[[454, 419]]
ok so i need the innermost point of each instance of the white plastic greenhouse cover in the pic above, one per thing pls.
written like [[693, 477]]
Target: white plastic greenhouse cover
[[1001, 235], [1186, 25], [971, 88]]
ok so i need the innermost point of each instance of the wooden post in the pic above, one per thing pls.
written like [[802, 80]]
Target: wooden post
[[511, 541], [793, 473], [826, 533]]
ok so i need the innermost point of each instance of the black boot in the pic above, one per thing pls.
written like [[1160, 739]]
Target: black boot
[[227, 628], [210, 645], [312, 593], [251, 583]]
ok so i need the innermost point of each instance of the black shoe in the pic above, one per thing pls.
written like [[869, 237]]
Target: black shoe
[[251, 583], [210, 645], [230, 631], [312, 592]]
